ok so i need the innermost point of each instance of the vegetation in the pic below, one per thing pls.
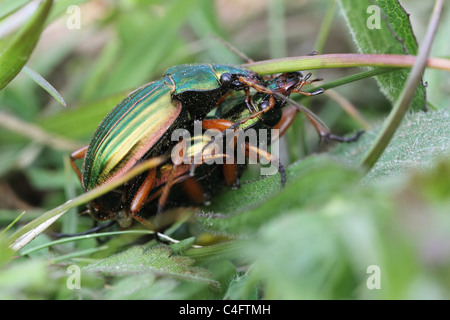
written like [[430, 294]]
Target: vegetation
[[366, 220]]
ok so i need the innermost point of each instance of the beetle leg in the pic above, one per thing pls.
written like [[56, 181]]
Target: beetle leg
[[223, 98], [320, 127], [260, 88], [189, 184], [289, 114], [140, 196], [76, 155], [248, 100], [230, 173], [180, 177], [269, 157], [343, 139], [229, 170], [255, 85], [171, 179], [310, 94], [253, 115], [304, 81], [144, 222], [194, 189], [165, 191], [219, 124], [222, 125]]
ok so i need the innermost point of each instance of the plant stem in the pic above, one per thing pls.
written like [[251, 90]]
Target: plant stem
[[83, 237], [341, 60], [402, 104], [355, 77], [28, 232], [229, 248], [36, 133]]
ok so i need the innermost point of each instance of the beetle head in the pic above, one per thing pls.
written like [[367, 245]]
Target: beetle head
[[105, 208]]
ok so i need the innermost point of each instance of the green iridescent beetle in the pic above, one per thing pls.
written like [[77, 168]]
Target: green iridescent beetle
[[219, 163], [212, 171], [140, 127]]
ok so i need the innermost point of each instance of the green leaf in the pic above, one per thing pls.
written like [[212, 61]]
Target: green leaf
[[438, 89], [18, 50], [157, 260], [142, 286], [421, 138], [60, 8], [386, 32], [18, 280], [6, 253], [44, 84], [28, 232], [80, 122], [242, 288], [183, 245], [324, 252], [150, 46], [9, 6], [309, 182]]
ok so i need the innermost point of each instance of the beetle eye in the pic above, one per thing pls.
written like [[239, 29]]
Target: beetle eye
[[226, 79]]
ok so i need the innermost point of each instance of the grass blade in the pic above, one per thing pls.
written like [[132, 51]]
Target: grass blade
[[28, 232], [19, 49], [44, 84], [407, 95]]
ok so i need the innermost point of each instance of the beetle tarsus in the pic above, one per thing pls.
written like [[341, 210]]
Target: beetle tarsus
[[353, 138]]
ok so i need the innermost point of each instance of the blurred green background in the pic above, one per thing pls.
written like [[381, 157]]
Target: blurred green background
[[122, 44], [315, 246]]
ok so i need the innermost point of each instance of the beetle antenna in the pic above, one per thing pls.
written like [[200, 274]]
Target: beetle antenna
[[318, 124], [321, 128]]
